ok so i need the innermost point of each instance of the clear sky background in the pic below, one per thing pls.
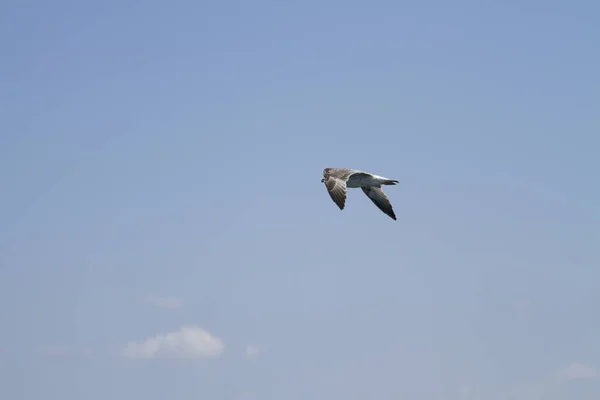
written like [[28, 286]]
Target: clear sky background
[[164, 233]]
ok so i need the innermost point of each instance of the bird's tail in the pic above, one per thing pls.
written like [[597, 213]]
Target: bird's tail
[[390, 182]]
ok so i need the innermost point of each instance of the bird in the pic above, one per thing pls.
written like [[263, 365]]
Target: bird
[[336, 181]]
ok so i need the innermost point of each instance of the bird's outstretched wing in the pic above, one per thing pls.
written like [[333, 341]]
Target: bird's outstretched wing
[[335, 181], [380, 200]]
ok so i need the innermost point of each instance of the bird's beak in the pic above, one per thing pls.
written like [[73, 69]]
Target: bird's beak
[[322, 180]]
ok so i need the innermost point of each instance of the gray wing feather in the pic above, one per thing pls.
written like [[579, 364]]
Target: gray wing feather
[[335, 181], [336, 188], [340, 173], [380, 200]]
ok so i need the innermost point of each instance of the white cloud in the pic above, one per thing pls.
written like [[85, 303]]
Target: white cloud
[[164, 302], [188, 342], [576, 371], [252, 351]]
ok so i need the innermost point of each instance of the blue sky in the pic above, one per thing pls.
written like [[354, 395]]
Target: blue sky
[[164, 232]]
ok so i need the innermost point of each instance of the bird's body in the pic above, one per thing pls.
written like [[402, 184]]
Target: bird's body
[[358, 180], [337, 180]]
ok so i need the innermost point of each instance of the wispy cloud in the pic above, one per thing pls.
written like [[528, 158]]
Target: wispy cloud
[[188, 342], [164, 302], [252, 351], [577, 371]]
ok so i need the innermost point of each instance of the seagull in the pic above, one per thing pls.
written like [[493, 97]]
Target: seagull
[[338, 179]]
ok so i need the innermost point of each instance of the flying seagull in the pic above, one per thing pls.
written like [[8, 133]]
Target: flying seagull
[[338, 179]]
